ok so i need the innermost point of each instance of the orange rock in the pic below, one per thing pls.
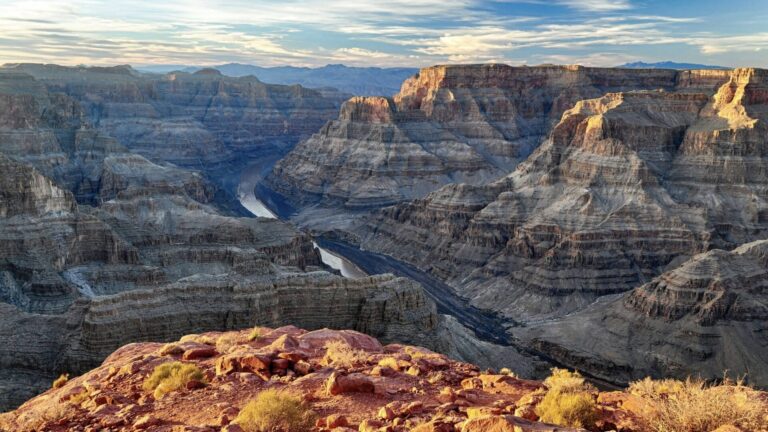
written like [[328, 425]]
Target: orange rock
[[203, 351], [336, 420], [370, 425], [145, 422], [386, 413], [352, 383]]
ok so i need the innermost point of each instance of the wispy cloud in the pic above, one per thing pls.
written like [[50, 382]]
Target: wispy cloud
[[362, 32]]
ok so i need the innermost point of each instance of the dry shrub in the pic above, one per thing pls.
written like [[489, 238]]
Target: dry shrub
[[276, 410], [202, 339], [694, 405], [256, 334], [390, 362], [172, 348], [226, 342], [171, 376], [341, 354], [61, 381], [569, 400]]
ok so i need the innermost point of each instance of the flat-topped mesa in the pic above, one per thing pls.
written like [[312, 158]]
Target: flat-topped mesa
[[370, 109], [711, 287]]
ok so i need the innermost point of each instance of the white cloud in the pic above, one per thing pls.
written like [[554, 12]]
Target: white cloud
[[598, 5]]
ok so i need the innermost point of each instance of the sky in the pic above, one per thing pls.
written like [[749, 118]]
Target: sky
[[387, 33]]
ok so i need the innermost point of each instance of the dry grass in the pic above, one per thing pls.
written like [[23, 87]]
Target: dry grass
[[171, 376], [35, 419], [203, 339], [275, 410], [226, 342], [60, 381], [340, 354], [569, 400], [694, 405], [256, 334]]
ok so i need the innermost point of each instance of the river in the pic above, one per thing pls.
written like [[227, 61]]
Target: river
[[247, 196]]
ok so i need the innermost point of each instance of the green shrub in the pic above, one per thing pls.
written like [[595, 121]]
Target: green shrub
[[276, 410], [171, 376], [569, 400]]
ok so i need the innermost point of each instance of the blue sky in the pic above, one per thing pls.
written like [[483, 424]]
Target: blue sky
[[384, 33]]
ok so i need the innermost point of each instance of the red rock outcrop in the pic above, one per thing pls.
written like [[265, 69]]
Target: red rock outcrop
[[431, 393]]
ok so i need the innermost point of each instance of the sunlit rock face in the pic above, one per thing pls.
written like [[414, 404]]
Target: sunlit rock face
[[624, 186], [448, 124]]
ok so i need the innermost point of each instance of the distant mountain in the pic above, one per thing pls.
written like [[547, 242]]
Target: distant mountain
[[362, 81], [669, 65]]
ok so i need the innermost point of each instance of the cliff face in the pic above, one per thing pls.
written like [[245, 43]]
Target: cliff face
[[202, 120], [448, 124], [703, 317], [624, 186]]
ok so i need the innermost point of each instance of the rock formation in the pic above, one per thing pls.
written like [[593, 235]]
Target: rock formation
[[626, 187], [448, 124], [705, 316], [344, 380], [202, 120], [102, 247]]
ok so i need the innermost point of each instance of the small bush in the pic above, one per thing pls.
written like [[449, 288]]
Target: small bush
[[569, 400], [694, 405], [226, 342], [341, 354], [255, 334], [61, 381], [202, 339], [168, 377], [275, 410]]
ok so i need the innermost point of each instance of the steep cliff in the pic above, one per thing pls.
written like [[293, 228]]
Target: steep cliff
[[625, 185], [705, 316], [448, 124], [203, 120]]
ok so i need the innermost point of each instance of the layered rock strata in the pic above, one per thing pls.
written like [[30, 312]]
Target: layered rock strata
[[704, 317], [203, 120], [447, 124], [625, 187]]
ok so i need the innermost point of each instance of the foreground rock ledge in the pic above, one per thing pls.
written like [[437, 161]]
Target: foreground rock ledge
[[386, 388]]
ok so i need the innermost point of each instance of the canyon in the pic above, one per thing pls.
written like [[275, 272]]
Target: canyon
[[608, 220], [111, 234], [624, 176]]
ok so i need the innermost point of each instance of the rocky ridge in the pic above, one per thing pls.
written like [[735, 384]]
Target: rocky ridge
[[707, 315], [448, 124], [350, 381], [201, 120], [626, 187]]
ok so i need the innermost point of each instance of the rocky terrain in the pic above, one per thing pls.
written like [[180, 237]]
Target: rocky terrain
[[707, 315], [626, 186], [361, 81], [102, 247], [335, 380], [448, 124], [201, 120]]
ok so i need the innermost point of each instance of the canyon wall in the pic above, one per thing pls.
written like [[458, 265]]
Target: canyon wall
[[448, 124]]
